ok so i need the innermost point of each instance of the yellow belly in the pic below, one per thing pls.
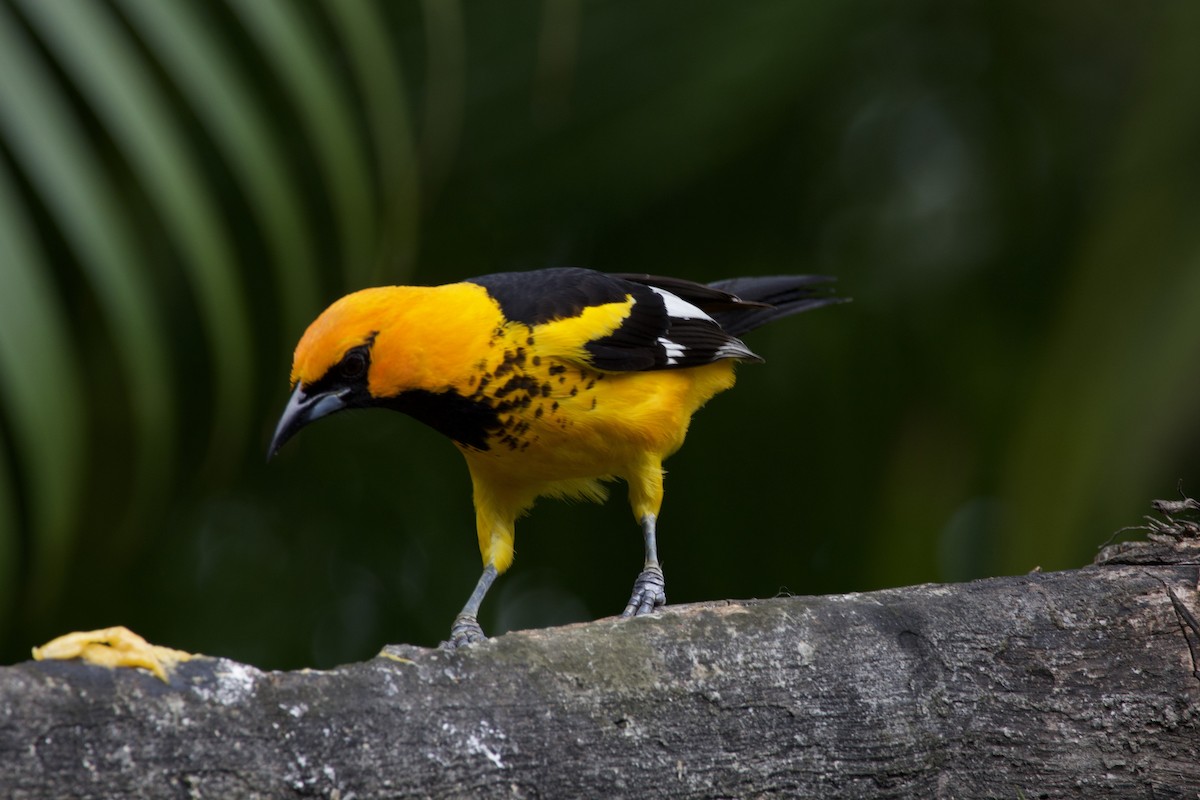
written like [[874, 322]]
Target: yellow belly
[[578, 428]]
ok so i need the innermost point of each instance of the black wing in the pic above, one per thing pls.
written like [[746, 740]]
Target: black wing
[[663, 329], [743, 304]]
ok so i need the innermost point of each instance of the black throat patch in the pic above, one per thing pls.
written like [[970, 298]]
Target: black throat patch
[[466, 420]]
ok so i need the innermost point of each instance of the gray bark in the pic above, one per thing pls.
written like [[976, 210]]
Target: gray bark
[[1071, 684]]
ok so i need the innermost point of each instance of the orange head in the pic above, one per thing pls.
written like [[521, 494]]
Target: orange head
[[386, 346]]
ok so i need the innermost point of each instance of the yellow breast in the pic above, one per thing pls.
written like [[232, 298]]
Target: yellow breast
[[561, 420]]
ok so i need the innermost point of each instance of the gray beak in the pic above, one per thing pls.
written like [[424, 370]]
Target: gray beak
[[303, 409]]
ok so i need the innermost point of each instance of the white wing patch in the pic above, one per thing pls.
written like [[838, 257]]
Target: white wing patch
[[674, 350], [679, 308]]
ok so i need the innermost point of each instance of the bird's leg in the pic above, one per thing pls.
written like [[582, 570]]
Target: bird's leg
[[649, 589], [465, 629]]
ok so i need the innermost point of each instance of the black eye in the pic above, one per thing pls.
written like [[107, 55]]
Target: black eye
[[354, 364]]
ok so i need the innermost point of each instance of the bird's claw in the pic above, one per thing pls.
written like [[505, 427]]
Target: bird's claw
[[464, 631], [649, 593]]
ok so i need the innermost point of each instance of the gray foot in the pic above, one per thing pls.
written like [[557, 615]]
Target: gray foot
[[464, 631], [649, 593]]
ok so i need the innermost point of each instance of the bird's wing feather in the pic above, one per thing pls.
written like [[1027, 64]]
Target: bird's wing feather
[[709, 298]]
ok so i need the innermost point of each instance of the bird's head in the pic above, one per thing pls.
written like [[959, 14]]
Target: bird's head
[[335, 366], [373, 346]]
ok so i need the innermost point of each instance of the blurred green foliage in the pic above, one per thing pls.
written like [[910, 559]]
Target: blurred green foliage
[[1008, 191]]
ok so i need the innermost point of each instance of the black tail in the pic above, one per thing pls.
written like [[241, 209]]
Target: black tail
[[770, 298]]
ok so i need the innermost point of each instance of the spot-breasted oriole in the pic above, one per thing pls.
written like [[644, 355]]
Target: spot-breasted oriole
[[548, 382]]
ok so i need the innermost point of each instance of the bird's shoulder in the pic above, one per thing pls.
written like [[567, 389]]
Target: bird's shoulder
[[539, 296]]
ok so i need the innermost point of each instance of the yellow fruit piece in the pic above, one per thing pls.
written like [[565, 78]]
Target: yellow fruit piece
[[112, 647]]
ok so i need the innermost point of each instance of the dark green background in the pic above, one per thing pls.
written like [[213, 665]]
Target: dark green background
[[1009, 192]]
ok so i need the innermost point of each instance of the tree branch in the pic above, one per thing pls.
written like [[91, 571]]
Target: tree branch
[[1078, 683]]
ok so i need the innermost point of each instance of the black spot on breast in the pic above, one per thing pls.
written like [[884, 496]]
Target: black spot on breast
[[512, 360], [518, 383]]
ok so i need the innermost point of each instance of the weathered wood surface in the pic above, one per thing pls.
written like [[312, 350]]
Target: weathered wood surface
[[1069, 684]]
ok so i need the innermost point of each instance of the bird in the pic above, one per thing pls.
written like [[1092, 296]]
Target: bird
[[550, 382]]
